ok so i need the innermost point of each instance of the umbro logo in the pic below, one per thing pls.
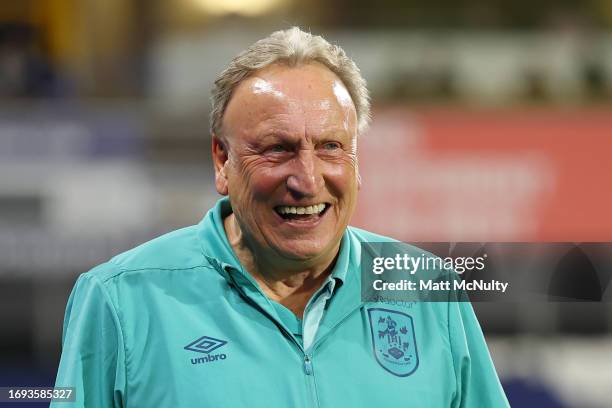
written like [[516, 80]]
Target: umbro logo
[[206, 345]]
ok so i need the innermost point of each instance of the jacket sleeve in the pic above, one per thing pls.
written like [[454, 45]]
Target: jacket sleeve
[[93, 355], [477, 381]]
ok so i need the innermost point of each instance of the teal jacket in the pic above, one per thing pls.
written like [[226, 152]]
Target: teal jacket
[[177, 322]]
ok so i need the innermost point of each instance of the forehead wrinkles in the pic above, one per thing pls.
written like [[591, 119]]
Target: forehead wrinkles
[[299, 99], [266, 108], [310, 82], [307, 117]]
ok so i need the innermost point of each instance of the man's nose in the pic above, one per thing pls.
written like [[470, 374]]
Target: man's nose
[[305, 178]]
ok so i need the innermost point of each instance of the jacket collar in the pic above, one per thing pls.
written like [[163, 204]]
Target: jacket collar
[[345, 299], [217, 249]]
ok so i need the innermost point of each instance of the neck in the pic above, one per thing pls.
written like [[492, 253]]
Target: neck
[[290, 283]]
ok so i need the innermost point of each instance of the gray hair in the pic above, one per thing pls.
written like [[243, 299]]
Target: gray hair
[[292, 47]]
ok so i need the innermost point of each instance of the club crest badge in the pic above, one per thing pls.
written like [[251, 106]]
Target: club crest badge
[[394, 341]]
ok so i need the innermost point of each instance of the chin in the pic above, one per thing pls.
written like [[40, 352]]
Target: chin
[[300, 250]]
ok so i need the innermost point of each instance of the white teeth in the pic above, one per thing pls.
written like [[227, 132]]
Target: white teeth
[[311, 209]]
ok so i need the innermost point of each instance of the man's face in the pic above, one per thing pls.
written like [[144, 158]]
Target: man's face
[[290, 164]]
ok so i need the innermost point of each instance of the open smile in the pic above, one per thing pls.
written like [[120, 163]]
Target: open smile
[[310, 213]]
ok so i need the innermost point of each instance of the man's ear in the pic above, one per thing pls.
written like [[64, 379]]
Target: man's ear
[[219, 156]]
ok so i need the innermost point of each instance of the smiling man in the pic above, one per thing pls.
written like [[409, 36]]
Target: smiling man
[[287, 157], [259, 304]]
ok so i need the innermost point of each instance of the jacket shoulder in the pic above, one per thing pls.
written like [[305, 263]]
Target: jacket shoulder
[[178, 249]]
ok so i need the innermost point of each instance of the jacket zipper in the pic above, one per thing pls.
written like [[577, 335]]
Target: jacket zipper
[[307, 365], [307, 359], [311, 380]]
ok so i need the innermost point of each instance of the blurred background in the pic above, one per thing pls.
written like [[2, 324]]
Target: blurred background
[[492, 122]]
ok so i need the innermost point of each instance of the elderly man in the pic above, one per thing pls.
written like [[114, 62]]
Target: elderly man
[[259, 304]]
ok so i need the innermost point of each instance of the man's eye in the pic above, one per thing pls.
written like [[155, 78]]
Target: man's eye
[[331, 146], [277, 148]]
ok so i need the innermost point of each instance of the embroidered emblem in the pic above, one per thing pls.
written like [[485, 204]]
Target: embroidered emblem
[[394, 341]]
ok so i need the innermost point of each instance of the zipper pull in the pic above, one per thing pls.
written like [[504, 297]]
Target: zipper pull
[[307, 365]]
